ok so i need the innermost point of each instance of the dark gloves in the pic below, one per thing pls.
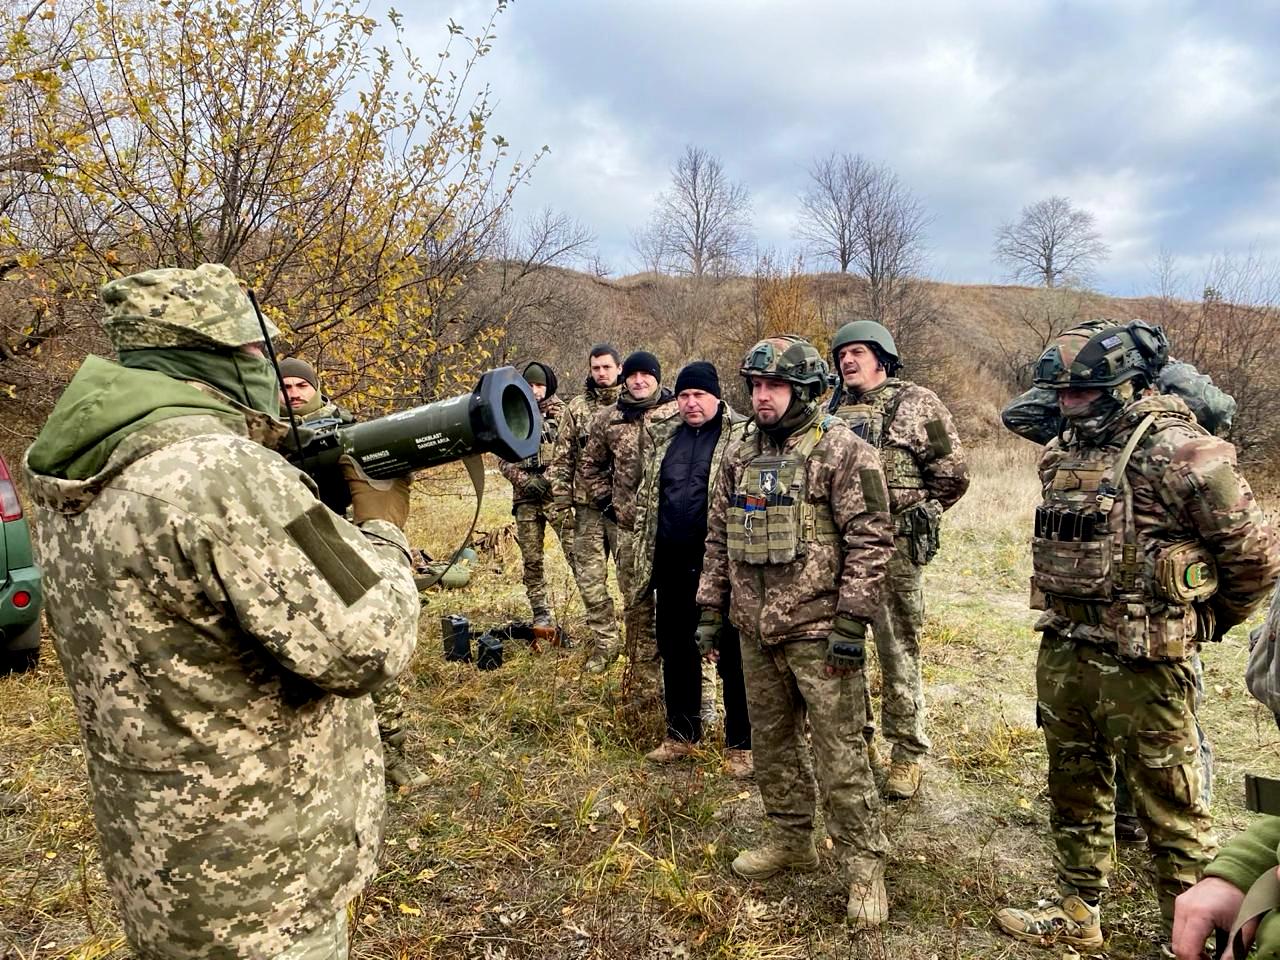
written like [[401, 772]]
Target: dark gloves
[[846, 644], [710, 627], [537, 486], [605, 506], [376, 499]]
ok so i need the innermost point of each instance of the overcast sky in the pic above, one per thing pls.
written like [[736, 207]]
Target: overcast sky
[[1160, 118]]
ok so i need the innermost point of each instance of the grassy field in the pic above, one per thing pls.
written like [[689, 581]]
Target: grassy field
[[544, 834]]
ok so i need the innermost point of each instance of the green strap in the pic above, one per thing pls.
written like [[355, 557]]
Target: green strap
[[1262, 898], [475, 470]]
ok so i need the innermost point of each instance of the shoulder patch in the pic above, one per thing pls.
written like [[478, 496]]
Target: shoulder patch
[[873, 491], [939, 442], [316, 534], [1220, 488]]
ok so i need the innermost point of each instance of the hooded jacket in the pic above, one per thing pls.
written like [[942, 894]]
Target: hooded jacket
[[565, 474], [617, 444], [218, 628]]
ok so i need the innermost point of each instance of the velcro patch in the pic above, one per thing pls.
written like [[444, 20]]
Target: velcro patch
[[873, 492], [316, 534], [1220, 488], [939, 442]]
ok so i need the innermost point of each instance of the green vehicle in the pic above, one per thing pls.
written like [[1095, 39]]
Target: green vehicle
[[21, 592]]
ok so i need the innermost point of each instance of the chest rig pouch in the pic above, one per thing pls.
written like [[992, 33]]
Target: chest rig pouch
[[871, 423], [1087, 565], [770, 519]]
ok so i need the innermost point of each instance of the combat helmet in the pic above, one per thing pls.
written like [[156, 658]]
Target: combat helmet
[[200, 309], [788, 358], [1104, 354], [869, 332]]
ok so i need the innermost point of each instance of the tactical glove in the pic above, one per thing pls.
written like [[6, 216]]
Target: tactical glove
[[846, 644], [710, 626], [537, 487], [605, 506], [376, 499]]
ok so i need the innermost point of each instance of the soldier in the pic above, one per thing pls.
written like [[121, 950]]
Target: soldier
[[219, 628], [617, 443], [925, 469], [679, 472], [1247, 865], [531, 491], [587, 535], [1149, 543], [303, 396], [798, 542], [1034, 416]]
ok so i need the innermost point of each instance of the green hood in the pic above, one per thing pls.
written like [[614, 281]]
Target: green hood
[[104, 404]]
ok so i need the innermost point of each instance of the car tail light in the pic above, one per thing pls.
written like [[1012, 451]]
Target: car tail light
[[21, 599], [10, 506]]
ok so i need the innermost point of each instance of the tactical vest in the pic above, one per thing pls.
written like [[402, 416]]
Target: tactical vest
[[1090, 568], [770, 518], [871, 423], [546, 448]]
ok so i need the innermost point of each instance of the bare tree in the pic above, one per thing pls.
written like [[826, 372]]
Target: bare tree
[[1051, 243], [1043, 316], [829, 207], [701, 225]]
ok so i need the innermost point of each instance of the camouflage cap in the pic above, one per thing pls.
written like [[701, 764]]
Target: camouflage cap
[[201, 309]]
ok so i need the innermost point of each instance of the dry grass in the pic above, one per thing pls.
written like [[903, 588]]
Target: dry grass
[[543, 834]]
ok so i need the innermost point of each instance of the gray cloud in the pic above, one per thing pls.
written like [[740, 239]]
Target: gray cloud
[[1158, 117]]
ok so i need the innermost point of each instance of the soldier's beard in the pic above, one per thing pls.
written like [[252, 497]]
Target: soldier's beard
[[799, 414]]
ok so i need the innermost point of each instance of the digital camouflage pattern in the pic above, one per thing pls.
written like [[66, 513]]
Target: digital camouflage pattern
[[778, 603], [733, 426], [218, 628], [926, 471], [530, 507], [201, 309], [611, 466], [615, 454], [1095, 701], [586, 536], [784, 612], [567, 483]]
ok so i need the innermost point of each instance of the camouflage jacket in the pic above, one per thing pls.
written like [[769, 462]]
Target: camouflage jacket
[[565, 474], [919, 447], [614, 457], [1185, 487], [779, 603], [218, 628], [648, 496], [519, 474]]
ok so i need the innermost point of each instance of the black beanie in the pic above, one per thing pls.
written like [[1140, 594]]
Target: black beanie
[[297, 367], [699, 375], [641, 361]]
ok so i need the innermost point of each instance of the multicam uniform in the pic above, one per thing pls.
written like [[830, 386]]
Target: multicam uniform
[[1137, 564], [591, 537], [218, 628], [612, 461], [530, 507], [799, 534], [925, 469]]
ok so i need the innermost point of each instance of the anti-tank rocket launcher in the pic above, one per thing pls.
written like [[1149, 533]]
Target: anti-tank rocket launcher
[[499, 416]]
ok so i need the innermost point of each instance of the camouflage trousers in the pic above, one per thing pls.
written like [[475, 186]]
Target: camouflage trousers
[[786, 684], [638, 620], [1098, 712], [897, 640], [325, 942], [1124, 799], [594, 539], [531, 536], [388, 708]]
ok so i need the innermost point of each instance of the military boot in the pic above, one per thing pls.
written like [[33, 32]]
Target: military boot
[[760, 863], [1129, 829], [904, 780], [868, 903], [1067, 920], [404, 775], [670, 750], [597, 663], [739, 765]]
